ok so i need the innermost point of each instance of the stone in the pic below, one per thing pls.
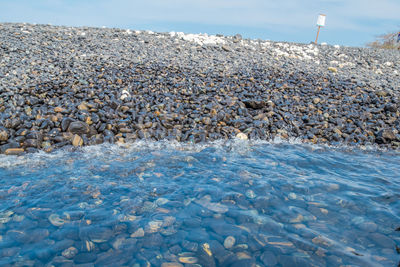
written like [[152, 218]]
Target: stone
[[31, 143], [14, 151], [255, 104], [381, 93], [153, 240], [59, 109], [82, 106], [188, 260], [100, 234], [138, 233], [241, 136], [250, 194], [237, 38], [85, 258], [382, 240], [77, 140], [70, 252], [78, 127], [65, 122], [226, 48], [229, 242], [3, 135], [56, 220], [368, 227], [18, 236], [216, 207], [268, 258], [332, 69], [385, 136], [62, 245]]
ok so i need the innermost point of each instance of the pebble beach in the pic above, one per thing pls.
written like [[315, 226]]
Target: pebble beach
[[64, 86], [134, 148]]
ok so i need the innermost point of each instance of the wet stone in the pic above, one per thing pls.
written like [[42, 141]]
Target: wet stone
[[229, 242], [268, 258], [14, 151], [138, 233], [18, 236], [368, 227], [77, 140], [100, 234], [78, 128], [56, 220], [85, 258], [190, 246], [3, 135], [188, 260], [382, 240], [153, 240], [62, 245]]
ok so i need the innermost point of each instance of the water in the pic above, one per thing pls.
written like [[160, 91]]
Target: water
[[221, 204]]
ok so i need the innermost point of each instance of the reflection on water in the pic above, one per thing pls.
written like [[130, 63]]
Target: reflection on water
[[236, 204]]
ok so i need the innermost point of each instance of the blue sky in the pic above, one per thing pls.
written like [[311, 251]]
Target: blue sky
[[348, 22]]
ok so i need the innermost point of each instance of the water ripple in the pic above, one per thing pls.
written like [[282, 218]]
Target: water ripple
[[271, 204]]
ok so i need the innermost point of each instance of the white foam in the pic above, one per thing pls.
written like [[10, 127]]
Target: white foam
[[108, 152]]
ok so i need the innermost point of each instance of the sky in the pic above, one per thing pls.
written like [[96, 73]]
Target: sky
[[348, 22]]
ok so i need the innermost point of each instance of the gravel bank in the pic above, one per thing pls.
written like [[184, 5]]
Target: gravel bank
[[64, 86]]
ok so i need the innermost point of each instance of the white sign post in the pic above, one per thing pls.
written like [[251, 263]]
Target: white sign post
[[320, 23]]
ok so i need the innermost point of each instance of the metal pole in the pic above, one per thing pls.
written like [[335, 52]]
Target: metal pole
[[316, 39]]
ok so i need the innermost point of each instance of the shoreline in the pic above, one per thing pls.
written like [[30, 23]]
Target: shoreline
[[63, 86]]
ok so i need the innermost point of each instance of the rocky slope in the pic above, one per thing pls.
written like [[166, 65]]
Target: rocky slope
[[64, 86]]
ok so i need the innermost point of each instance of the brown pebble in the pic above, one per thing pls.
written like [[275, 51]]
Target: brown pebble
[[3, 135], [77, 140], [188, 260], [58, 109], [14, 151]]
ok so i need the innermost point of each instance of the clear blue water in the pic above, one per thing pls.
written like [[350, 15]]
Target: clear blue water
[[221, 204]]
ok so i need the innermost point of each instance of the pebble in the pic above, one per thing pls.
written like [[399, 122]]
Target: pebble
[[241, 136], [77, 140], [250, 194], [332, 69], [56, 220], [3, 135], [188, 260], [382, 240], [70, 252], [14, 151], [85, 258], [229, 242], [138, 233], [369, 227]]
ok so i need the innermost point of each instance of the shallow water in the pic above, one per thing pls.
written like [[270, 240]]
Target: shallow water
[[221, 204]]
